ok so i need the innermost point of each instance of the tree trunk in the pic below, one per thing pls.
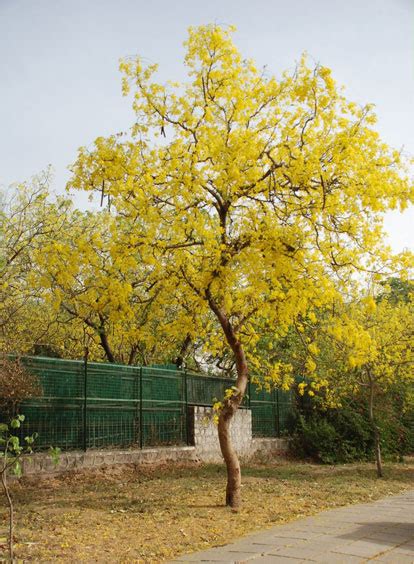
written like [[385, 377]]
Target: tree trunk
[[106, 347], [378, 458], [233, 489], [230, 406], [183, 350], [377, 439]]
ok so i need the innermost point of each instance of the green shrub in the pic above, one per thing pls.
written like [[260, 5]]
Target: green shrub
[[333, 436], [397, 434], [316, 439], [343, 435]]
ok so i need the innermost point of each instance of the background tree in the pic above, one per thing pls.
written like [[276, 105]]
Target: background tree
[[384, 356], [60, 277], [366, 349], [29, 219], [246, 195]]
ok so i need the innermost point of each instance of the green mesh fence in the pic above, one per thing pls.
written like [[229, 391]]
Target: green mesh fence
[[164, 410], [269, 411], [98, 405], [202, 390]]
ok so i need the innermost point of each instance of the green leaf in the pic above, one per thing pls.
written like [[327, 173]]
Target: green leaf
[[17, 469], [54, 453], [14, 443]]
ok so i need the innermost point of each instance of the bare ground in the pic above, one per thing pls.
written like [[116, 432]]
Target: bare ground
[[130, 514]]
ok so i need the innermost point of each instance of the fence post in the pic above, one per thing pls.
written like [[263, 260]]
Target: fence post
[[187, 434], [278, 412], [141, 423], [249, 394], [85, 399]]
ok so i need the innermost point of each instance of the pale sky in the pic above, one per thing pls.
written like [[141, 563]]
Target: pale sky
[[60, 85]]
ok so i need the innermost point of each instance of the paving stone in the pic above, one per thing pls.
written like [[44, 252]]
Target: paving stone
[[321, 528], [282, 533], [395, 557], [309, 553], [271, 540], [254, 548], [278, 559], [367, 549], [393, 537], [332, 558], [404, 549]]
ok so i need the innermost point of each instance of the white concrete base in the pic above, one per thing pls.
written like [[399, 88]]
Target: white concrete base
[[41, 463]]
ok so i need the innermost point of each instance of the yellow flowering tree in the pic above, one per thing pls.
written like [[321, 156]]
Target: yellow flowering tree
[[244, 196], [374, 342], [29, 218]]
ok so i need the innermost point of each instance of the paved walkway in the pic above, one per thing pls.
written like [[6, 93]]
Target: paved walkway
[[382, 531]]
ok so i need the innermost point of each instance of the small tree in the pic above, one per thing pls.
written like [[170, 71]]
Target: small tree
[[16, 385], [383, 357], [11, 451], [366, 347]]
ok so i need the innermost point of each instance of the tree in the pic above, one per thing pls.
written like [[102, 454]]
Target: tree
[[360, 351], [59, 280], [375, 341], [28, 220], [250, 199]]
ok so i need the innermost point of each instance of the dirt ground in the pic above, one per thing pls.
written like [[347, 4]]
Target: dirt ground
[[130, 514]]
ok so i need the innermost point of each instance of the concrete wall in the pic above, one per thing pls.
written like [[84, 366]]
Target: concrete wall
[[42, 464], [206, 439], [272, 447]]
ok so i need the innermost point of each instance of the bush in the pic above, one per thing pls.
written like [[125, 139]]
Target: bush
[[16, 385], [315, 439], [345, 435], [397, 433], [333, 436]]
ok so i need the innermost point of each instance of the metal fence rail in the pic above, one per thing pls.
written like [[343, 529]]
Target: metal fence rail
[[98, 405]]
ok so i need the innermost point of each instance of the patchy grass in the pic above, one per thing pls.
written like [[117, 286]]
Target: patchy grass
[[149, 515]]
